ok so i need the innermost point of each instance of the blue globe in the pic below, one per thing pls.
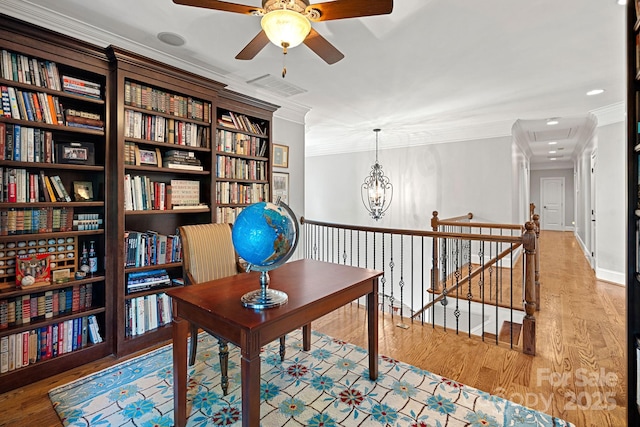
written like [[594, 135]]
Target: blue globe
[[265, 235]]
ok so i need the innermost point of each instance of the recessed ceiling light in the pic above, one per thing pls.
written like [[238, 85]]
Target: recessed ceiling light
[[552, 122], [622, 2], [552, 152], [552, 158], [171, 39], [553, 142], [595, 92]]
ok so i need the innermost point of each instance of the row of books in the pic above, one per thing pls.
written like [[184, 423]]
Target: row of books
[[81, 87], [26, 144], [149, 247], [25, 186], [146, 313], [160, 129], [23, 69], [227, 214], [32, 106], [237, 168], [47, 342], [35, 220], [242, 123], [178, 159], [143, 96], [149, 279], [141, 193], [37, 306], [240, 143], [236, 192]]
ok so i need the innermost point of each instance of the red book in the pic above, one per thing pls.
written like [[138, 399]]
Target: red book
[[49, 341], [61, 335], [25, 348], [75, 299], [26, 309], [11, 189]]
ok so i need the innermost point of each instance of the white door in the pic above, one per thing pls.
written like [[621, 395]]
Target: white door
[[552, 196]]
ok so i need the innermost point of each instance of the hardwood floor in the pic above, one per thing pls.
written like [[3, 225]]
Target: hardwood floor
[[578, 373]]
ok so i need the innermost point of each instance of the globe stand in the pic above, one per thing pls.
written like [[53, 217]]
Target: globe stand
[[264, 297]]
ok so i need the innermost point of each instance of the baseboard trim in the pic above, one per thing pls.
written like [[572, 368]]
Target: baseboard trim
[[610, 276]]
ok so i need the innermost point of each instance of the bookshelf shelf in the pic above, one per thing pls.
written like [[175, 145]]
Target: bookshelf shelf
[[57, 234], [156, 169], [51, 204], [167, 212], [52, 287], [62, 94], [40, 165], [58, 128], [167, 145], [154, 267]]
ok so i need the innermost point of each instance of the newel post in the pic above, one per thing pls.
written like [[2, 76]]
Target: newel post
[[435, 282], [529, 321], [536, 222]]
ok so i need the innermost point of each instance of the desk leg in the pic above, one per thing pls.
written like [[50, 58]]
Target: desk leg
[[372, 318], [250, 368], [306, 337], [180, 329]]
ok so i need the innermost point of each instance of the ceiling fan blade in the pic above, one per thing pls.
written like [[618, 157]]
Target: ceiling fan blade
[[341, 9], [219, 5], [322, 47], [254, 46]]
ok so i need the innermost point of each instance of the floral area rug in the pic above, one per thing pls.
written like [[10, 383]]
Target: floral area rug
[[327, 386]]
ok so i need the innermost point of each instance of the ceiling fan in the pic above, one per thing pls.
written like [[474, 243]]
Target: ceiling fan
[[286, 23]]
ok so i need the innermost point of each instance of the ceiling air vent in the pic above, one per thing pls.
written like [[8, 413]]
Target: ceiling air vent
[[276, 85]]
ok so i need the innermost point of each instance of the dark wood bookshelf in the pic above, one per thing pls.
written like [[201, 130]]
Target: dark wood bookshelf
[[633, 221], [81, 60]]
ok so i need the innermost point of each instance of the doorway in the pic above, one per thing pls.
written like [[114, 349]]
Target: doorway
[[552, 198]]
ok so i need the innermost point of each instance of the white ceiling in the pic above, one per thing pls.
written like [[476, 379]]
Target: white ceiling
[[432, 71]]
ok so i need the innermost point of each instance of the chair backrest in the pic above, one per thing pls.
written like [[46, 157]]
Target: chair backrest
[[207, 251]]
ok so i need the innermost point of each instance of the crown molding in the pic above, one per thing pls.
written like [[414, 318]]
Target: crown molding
[[609, 114]]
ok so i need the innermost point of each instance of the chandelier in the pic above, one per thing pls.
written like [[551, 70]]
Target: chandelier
[[376, 191]]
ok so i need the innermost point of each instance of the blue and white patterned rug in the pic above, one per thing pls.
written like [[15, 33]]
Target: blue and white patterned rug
[[328, 386]]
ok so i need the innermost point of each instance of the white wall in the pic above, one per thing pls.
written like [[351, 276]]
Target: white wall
[[453, 178], [291, 133], [611, 203]]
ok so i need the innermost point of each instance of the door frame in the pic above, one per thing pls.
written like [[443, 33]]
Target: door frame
[[562, 203]]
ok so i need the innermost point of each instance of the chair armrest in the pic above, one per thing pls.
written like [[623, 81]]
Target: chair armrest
[[188, 279]]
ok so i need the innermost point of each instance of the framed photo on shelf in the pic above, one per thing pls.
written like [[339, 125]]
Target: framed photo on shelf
[[280, 186], [280, 156], [82, 191], [79, 153], [148, 157]]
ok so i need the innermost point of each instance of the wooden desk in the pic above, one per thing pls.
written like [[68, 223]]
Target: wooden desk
[[314, 288]]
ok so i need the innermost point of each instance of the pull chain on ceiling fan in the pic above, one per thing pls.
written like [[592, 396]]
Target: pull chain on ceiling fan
[[287, 23]]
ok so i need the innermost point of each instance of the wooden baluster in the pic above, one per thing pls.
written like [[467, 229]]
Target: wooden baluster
[[536, 222], [529, 321], [435, 255]]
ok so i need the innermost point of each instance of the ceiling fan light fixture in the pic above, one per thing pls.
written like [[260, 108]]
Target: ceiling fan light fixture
[[285, 28]]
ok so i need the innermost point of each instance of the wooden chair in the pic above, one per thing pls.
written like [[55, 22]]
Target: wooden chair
[[208, 254]]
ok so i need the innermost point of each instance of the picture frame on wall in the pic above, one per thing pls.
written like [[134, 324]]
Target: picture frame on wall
[[280, 156], [280, 182]]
